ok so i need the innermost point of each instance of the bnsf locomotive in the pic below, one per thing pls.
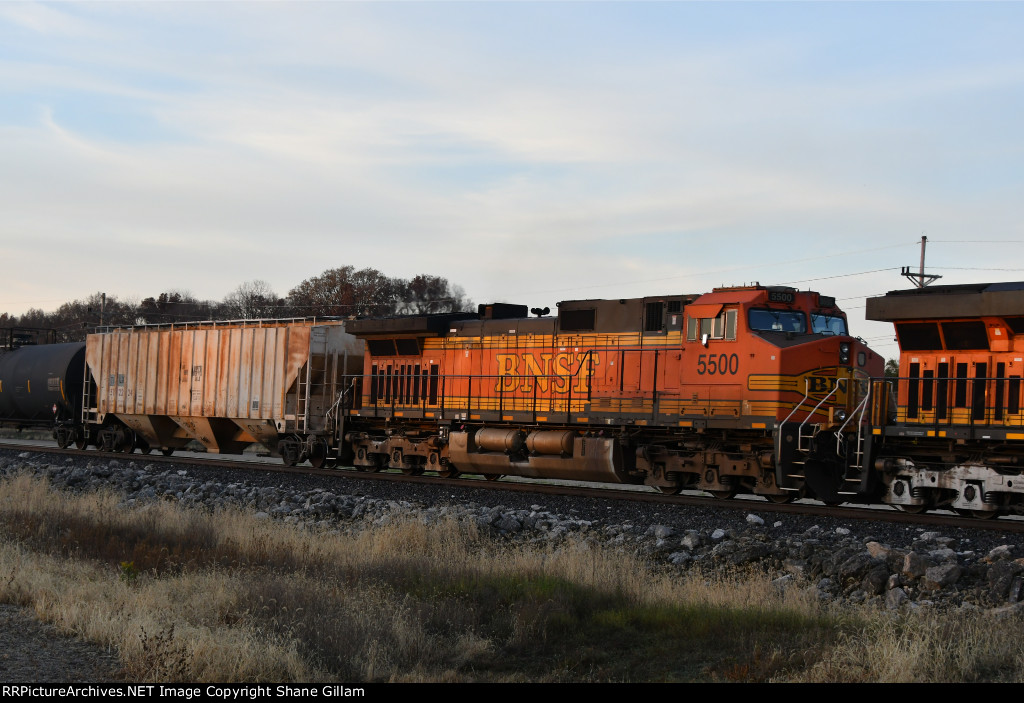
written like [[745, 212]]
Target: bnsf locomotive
[[748, 389], [724, 392], [954, 436]]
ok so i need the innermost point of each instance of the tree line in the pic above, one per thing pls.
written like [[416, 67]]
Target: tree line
[[338, 292]]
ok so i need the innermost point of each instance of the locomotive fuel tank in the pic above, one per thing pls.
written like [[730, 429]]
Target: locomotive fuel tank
[[36, 380]]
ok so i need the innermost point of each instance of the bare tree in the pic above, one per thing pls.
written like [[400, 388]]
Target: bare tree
[[426, 294], [253, 300], [175, 306], [345, 292]]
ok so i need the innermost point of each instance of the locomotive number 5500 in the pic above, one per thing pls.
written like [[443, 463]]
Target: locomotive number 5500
[[711, 364]]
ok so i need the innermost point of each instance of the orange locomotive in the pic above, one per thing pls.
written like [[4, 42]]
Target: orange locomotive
[[954, 437], [749, 389]]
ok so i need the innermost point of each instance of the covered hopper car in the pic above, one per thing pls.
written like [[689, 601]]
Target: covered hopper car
[[279, 383]]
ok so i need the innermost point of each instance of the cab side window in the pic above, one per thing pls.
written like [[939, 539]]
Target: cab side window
[[721, 327]]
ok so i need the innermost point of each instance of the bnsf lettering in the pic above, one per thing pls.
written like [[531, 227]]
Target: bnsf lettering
[[824, 384], [551, 372], [711, 364]]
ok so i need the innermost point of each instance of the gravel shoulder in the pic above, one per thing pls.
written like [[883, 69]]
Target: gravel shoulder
[[35, 652]]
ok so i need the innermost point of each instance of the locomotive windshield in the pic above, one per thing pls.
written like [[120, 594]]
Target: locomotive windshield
[[823, 323], [777, 321]]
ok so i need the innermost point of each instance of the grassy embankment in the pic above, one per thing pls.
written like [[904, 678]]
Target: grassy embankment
[[186, 595]]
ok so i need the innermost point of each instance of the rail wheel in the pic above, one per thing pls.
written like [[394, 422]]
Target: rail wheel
[[449, 472], [492, 477], [81, 442], [914, 509], [984, 514], [414, 471], [125, 442], [724, 495], [670, 490], [318, 455], [781, 499], [64, 437], [167, 452]]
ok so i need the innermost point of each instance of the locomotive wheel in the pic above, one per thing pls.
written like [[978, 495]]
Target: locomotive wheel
[[724, 495], [914, 509], [415, 471], [781, 499], [449, 472], [984, 514], [670, 490]]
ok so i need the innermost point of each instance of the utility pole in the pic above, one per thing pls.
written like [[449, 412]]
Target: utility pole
[[920, 279]]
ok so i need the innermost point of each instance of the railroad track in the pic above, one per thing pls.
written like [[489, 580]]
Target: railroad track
[[635, 494]]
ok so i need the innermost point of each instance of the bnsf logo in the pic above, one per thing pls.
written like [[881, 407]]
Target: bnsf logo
[[551, 372]]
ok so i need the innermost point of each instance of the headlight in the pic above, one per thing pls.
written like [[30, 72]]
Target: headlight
[[840, 415], [844, 353]]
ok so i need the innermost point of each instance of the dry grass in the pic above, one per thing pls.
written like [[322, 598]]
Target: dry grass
[[190, 595]]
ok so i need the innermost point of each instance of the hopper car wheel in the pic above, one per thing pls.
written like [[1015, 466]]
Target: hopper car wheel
[[125, 442], [81, 443], [492, 477], [724, 495], [144, 447], [781, 499], [670, 490], [984, 514], [449, 472], [167, 452], [318, 455]]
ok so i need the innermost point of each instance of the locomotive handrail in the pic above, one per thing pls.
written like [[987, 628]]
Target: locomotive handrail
[[820, 403], [778, 436], [384, 402], [800, 429], [861, 407]]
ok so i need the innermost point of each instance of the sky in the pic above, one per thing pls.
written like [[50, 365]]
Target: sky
[[529, 152]]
